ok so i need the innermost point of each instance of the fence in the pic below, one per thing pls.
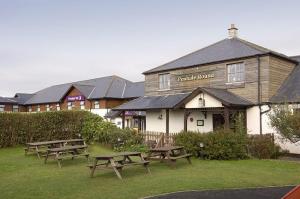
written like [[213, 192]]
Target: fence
[[158, 139]]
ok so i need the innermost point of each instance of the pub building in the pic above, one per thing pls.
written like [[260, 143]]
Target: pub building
[[204, 90], [98, 95]]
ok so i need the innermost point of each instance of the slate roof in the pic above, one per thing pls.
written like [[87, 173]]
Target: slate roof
[[104, 87], [114, 114], [223, 50], [6, 100], [179, 100], [227, 97], [290, 89], [153, 102], [21, 98]]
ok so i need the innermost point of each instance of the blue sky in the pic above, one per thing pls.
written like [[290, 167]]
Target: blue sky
[[47, 42]]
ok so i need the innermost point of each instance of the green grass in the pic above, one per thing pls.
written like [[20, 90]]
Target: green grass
[[28, 177]]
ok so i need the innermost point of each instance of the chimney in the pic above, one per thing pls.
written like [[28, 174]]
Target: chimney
[[232, 32]]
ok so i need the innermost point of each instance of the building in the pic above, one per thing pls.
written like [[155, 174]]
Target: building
[[96, 95], [204, 90]]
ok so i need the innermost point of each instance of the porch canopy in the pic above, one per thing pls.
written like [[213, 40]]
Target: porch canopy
[[202, 98]]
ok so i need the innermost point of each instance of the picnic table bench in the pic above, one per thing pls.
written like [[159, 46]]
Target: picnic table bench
[[169, 154], [39, 148], [111, 162], [67, 152]]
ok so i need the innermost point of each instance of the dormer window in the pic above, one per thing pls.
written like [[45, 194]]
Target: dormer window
[[236, 73], [164, 81]]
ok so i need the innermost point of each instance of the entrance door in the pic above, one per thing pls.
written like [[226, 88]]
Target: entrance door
[[218, 121]]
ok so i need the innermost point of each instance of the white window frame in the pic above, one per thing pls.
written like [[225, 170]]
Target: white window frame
[[2, 108], [15, 108], [235, 73], [70, 105], [96, 105], [57, 107], [38, 108], [82, 105], [164, 81], [29, 108], [47, 107]]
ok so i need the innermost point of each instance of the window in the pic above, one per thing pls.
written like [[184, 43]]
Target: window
[[70, 105], [164, 81], [82, 105], [47, 107], [96, 104], [38, 109], [29, 108], [15, 108], [2, 107], [236, 72], [57, 107]]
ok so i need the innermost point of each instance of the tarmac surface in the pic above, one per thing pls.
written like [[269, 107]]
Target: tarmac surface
[[251, 193]]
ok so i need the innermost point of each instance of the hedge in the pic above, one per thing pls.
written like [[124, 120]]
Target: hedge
[[19, 128], [227, 145]]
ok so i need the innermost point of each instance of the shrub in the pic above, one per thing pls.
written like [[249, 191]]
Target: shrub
[[97, 130], [219, 145], [225, 145], [263, 146], [19, 128]]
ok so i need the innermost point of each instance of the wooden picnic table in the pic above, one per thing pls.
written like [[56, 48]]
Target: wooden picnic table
[[111, 162], [67, 152], [41, 147], [169, 154]]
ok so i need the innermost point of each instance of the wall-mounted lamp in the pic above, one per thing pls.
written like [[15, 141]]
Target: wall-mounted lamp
[[201, 102], [160, 117]]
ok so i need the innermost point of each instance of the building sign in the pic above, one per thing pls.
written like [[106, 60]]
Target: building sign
[[197, 76], [75, 98]]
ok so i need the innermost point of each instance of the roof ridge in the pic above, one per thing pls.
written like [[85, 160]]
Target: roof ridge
[[187, 55]]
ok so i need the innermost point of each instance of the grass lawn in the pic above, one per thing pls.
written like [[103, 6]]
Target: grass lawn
[[29, 177]]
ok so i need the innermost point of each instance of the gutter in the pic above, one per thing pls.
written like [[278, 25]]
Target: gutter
[[259, 94]]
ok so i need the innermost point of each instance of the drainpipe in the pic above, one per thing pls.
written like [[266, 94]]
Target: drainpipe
[[259, 95]]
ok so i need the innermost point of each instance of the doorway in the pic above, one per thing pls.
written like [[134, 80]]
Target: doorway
[[218, 121]]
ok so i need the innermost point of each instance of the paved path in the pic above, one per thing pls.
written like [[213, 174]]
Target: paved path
[[253, 193]]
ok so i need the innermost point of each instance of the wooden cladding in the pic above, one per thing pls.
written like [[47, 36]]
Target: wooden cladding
[[273, 72]]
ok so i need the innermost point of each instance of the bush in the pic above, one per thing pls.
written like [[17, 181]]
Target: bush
[[97, 130], [263, 146], [19, 128], [226, 145], [219, 145]]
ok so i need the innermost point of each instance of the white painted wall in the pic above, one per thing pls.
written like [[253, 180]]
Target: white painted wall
[[198, 115], [176, 120], [209, 101], [155, 124], [253, 120]]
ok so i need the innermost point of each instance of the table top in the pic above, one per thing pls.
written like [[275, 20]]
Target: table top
[[166, 148], [53, 142], [67, 148], [110, 156]]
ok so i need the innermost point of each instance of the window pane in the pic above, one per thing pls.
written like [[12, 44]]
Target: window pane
[[164, 81], [236, 72]]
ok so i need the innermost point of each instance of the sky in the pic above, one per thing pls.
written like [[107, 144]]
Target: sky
[[49, 42]]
